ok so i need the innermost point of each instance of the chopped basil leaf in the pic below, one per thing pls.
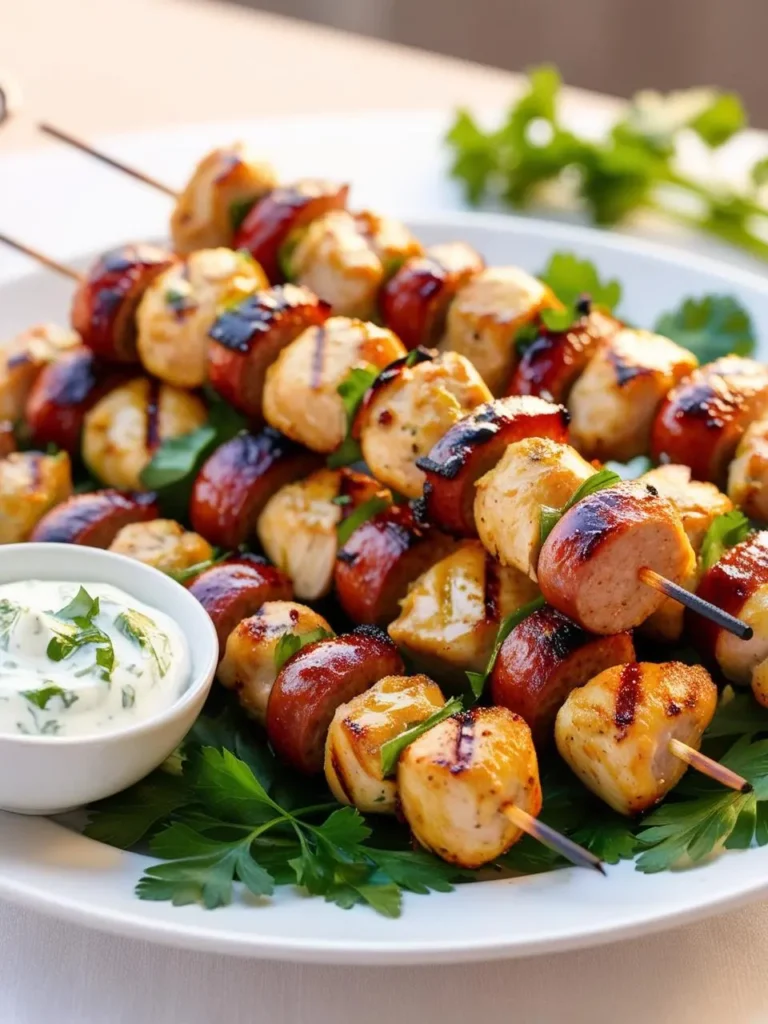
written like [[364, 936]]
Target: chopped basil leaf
[[291, 643], [597, 482], [143, 631], [724, 532], [392, 749], [82, 609]]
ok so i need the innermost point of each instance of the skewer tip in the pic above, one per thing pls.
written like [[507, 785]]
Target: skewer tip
[[712, 769], [694, 603], [556, 841]]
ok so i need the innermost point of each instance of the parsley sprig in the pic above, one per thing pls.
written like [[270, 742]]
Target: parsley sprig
[[73, 628]]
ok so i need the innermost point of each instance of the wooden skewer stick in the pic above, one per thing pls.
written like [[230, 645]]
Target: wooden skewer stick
[[554, 840], [708, 767], [696, 604], [84, 147], [47, 261]]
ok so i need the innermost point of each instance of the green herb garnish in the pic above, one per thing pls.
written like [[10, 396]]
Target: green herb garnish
[[291, 643], [143, 631], [710, 327], [725, 532], [192, 571], [9, 616], [239, 210], [477, 680], [41, 698], [81, 611], [352, 390], [599, 481], [572, 280], [392, 749], [360, 515]]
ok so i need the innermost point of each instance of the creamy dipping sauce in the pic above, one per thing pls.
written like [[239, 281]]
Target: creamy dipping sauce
[[80, 660]]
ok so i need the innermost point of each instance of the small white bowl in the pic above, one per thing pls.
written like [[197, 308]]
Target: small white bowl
[[49, 774]]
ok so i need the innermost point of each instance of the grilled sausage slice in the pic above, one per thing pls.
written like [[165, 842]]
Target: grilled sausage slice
[[455, 780], [105, 303], [381, 559], [451, 614], [703, 419], [315, 682], [553, 362], [234, 590], [94, 519], [223, 186], [414, 302], [269, 223], [297, 527], [238, 479], [472, 447], [23, 358], [614, 732], [248, 665], [409, 408], [247, 338], [301, 396], [30, 485], [484, 318], [359, 730], [534, 472], [615, 400], [738, 584], [125, 427], [748, 473], [163, 544], [545, 657], [589, 564]]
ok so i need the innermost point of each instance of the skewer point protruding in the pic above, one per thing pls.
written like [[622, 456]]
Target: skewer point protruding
[[738, 627], [554, 840], [701, 763], [41, 257]]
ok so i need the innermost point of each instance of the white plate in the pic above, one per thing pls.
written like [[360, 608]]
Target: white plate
[[46, 866]]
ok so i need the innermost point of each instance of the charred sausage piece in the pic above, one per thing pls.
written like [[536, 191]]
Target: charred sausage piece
[[615, 400], [248, 337], [94, 519], [30, 485], [237, 481], [554, 361], [546, 657], [379, 562], [472, 447], [7, 438], [484, 318], [703, 419], [748, 473], [222, 188], [248, 665], [738, 584], [163, 544], [532, 473], [409, 408], [284, 210], [414, 302], [313, 683], [450, 616], [298, 526], [589, 564], [105, 303], [23, 358], [234, 590]]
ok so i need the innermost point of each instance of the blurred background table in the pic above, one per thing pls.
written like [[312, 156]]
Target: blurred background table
[[105, 66]]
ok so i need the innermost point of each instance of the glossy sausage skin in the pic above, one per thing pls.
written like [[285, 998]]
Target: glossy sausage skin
[[588, 566], [703, 419], [247, 338], [94, 519], [472, 447], [546, 657], [316, 681], [63, 394], [237, 481], [268, 224], [414, 302], [104, 305], [7, 439], [550, 366], [381, 559], [236, 589]]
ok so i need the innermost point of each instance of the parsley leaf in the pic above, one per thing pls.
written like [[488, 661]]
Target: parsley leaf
[[599, 481], [127, 818], [710, 327], [738, 714], [144, 632], [725, 532], [571, 279], [352, 390], [477, 680], [81, 607], [347, 526], [41, 698], [392, 749], [67, 639], [291, 643]]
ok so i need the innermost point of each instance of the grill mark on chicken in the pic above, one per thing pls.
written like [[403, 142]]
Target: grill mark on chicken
[[153, 415], [492, 591], [625, 369], [317, 359], [465, 743], [627, 696]]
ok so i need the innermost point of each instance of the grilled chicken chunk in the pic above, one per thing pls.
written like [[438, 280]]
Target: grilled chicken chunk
[[409, 408], [30, 485], [748, 473], [123, 429], [360, 728], [533, 472], [179, 309], [455, 781], [297, 528], [162, 543], [22, 359], [223, 186], [451, 614], [614, 732], [615, 400], [301, 392], [484, 318], [248, 666], [390, 239]]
